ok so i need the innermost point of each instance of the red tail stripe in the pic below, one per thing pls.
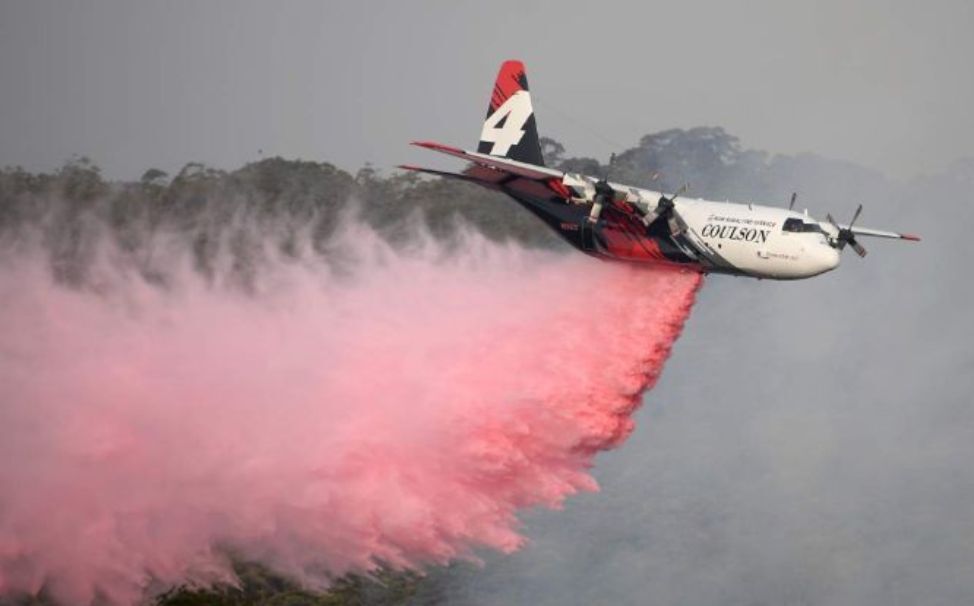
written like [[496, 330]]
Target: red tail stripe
[[508, 82]]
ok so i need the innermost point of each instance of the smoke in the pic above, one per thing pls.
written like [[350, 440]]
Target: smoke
[[810, 443], [394, 409]]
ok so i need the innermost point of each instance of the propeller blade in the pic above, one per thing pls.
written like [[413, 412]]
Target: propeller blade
[[794, 196], [838, 241], [649, 217], [596, 212], [846, 235], [664, 205], [608, 169], [604, 194], [674, 226]]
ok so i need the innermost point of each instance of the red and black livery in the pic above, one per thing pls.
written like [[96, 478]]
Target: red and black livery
[[508, 159], [512, 79]]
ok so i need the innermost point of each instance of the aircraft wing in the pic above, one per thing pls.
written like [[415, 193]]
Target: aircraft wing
[[879, 233], [498, 172]]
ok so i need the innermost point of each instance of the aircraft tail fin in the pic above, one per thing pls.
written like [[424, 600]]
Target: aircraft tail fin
[[510, 130]]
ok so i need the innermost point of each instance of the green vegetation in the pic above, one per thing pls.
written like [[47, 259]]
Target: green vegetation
[[258, 586]]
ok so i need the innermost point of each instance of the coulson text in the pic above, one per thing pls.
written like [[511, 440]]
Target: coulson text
[[733, 232]]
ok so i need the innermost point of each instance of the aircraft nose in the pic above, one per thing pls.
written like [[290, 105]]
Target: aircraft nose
[[821, 259], [829, 258]]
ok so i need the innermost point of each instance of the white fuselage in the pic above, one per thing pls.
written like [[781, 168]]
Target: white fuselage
[[741, 239], [751, 240]]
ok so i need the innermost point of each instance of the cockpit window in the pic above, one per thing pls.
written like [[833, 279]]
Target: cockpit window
[[793, 225], [798, 226]]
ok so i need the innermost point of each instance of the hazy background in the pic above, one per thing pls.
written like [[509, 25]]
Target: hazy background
[[810, 442], [138, 84]]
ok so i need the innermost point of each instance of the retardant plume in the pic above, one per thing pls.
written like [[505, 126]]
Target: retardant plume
[[396, 412]]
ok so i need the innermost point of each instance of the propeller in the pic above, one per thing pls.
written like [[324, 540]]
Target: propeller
[[664, 208], [846, 236], [794, 196], [603, 193], [666, 204]]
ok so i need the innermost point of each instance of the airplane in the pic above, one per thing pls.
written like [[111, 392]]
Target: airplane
[[620, 222]]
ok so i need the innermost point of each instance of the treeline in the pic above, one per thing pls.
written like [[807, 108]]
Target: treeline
[[259, 587], [286, 203]]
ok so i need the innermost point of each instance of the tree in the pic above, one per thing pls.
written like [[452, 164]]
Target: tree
[[154, 177], [552, 151]]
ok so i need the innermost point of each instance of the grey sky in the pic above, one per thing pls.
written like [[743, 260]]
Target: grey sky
[[140, 84]]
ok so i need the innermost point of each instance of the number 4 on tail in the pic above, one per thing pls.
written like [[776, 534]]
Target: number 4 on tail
[[505, 127]]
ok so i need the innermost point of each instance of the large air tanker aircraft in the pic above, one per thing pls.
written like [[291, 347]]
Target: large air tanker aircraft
[[619, 222]]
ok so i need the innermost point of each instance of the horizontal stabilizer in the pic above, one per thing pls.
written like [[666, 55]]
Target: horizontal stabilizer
[[438, 173], [521, 169]]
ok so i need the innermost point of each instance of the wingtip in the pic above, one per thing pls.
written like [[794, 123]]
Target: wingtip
[[910, 237]]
